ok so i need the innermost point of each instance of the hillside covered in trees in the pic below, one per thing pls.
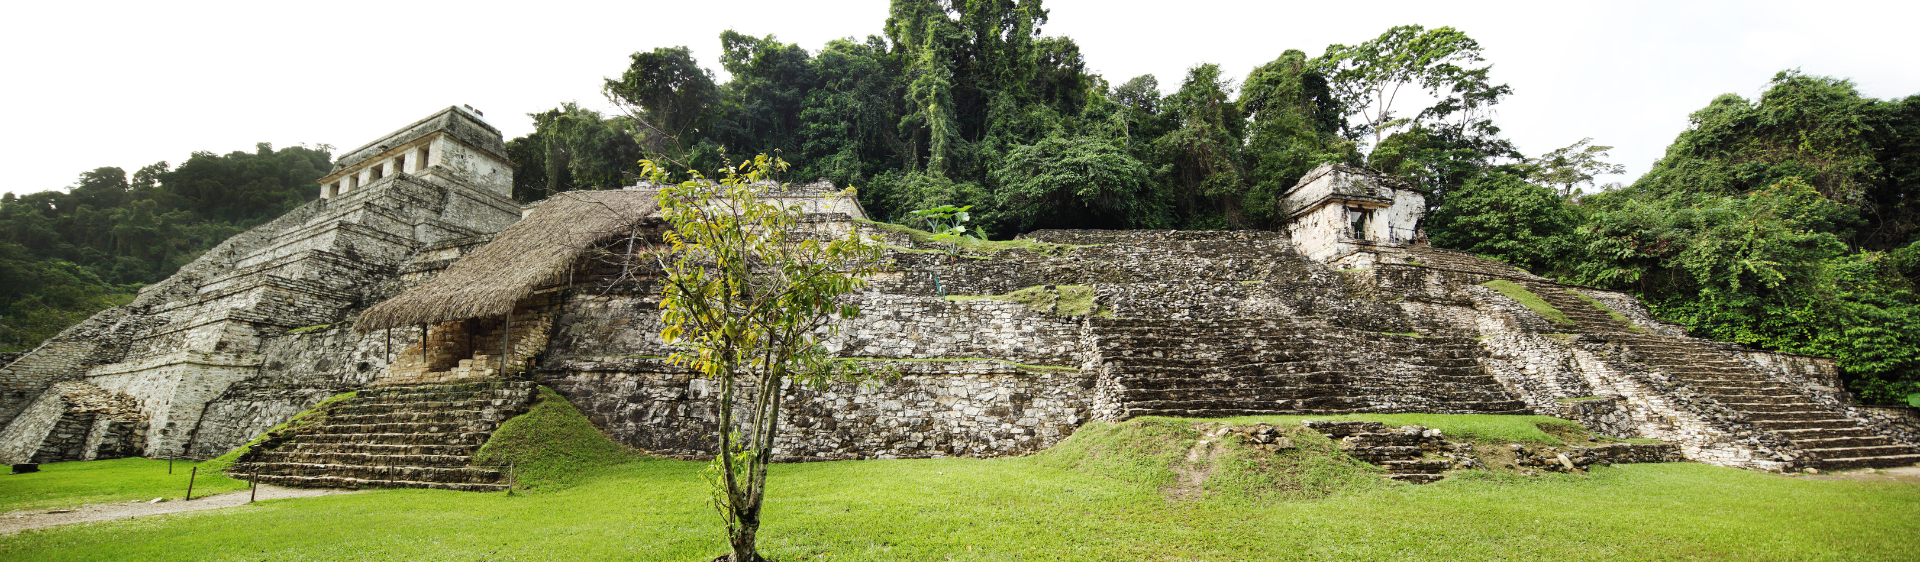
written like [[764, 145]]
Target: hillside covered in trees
[[1786, 222], [65, 256]]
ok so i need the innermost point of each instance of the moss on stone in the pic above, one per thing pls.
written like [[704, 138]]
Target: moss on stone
[[309, 329], [1607, 309], [971, 245], [1531, 301], [1069, 300], [311, 416]]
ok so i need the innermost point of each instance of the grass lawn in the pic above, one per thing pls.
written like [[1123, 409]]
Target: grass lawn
[[1101, 496], [69, 484]]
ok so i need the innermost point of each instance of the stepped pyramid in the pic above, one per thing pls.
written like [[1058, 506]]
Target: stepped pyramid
[[204, 352]]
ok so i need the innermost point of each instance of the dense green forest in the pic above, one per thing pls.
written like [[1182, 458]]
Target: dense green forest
[[67, 255], [1785, 222]]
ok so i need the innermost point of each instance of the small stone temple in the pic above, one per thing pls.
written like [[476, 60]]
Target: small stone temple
[[416, 281]]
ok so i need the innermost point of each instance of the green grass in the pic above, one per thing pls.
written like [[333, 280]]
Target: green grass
[[1478, 427], [1531, 301], [306, 329], [1607, 309], [1070, 300], [70, 484], [973, 246], [1102, 495]]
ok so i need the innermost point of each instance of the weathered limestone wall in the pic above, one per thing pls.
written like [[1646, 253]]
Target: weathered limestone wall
[[930, 409]]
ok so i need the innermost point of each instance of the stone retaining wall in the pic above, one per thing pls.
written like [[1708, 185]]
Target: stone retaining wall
[[928, 409]]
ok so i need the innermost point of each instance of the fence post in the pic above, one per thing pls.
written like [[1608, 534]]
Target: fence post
[[510, 478], [169, 467], [190, 477], [254, 492]]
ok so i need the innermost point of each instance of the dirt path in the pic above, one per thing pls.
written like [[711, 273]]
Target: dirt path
[[15, 521]]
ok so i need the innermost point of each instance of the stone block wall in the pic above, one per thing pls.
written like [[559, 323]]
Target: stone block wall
[[923, 409]]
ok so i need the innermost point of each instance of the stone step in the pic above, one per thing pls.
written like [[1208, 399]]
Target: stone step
[[1859, 452], [1377, 454], [370, 407], [1805, 415], [1756, 407], [1374, 440], [1841, 442], [450, 475], [364, 459], [1777, 425], [1759, 398], [1741, 390], [474, 439], [1425, 466], [356, 483], [1219, 394], [470, 426], [1868, 462], [420, 416], [1324, 381], [379, 449], [417, 397]]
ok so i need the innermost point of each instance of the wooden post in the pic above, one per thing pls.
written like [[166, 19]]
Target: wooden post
[[506, 340], [169, 467], [389, 332], [509, 478], [190, 476], [423, 349], [254, 491]]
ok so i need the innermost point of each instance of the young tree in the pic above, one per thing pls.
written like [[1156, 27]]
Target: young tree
[[1367, 78], [747, 296], [1571, 166]]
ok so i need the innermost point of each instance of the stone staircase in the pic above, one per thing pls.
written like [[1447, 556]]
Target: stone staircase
[[1586, 317], [1437, 258], [1216, 368], [415, 436], [1822, 432], [1400, 450]]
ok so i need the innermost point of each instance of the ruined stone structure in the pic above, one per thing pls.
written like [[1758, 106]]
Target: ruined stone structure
[[247, 335], [1343, 312]]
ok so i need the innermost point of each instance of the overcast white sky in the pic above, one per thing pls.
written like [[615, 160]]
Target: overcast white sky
[[90, 84]]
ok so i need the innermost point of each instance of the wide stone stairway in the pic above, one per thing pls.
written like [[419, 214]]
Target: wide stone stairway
[[416, 436], [1822, 432], [1215, 368]]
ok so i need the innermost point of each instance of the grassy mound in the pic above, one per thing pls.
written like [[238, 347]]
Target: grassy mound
[[552, 445]]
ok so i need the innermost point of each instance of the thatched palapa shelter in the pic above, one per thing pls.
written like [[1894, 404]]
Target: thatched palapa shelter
[[536, 252]]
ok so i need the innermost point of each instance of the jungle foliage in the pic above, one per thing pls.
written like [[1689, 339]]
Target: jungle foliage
[[67, 255], [970, 103]]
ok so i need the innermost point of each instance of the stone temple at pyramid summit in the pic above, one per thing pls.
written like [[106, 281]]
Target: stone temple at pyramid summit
[[394, 283]]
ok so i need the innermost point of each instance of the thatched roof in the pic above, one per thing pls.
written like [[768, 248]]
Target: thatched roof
[[536, 252]]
